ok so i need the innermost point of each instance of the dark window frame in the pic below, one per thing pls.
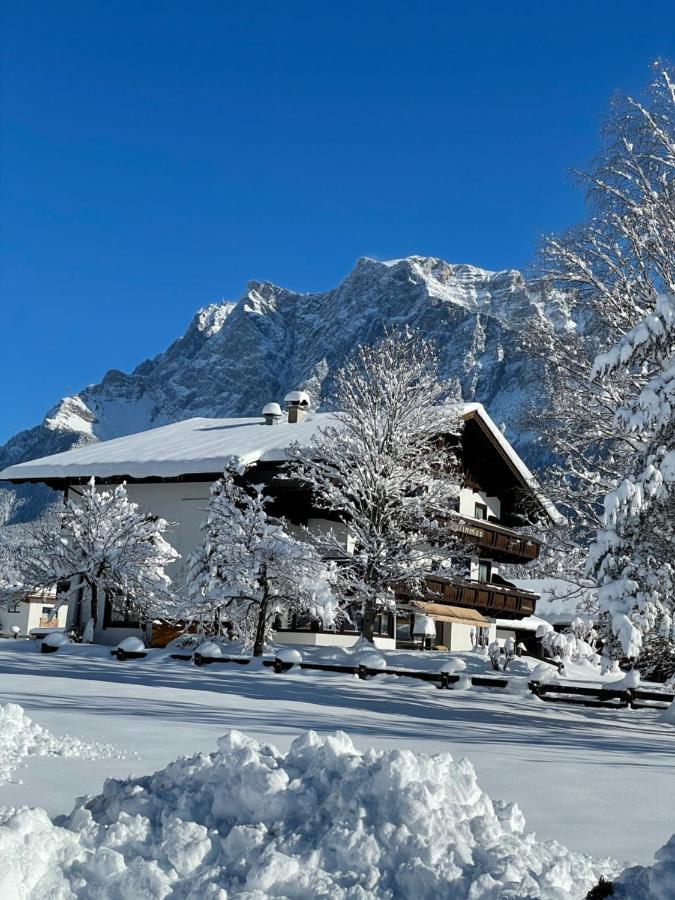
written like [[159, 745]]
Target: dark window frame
[[487, 565], [109, 611]]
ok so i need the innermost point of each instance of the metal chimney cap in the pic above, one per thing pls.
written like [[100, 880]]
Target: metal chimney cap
[[297, 398], [271, 409]]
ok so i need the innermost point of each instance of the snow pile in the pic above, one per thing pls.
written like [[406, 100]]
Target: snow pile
[[655, 882], [322, 821], [669, 715], [20, 737]]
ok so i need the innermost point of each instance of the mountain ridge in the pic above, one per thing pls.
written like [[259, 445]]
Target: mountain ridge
[[236, 356]]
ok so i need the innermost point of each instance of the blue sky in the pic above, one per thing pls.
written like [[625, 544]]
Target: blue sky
[[156, 155]]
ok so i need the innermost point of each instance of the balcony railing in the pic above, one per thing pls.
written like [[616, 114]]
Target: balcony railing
[[494, 598], [494, 540]]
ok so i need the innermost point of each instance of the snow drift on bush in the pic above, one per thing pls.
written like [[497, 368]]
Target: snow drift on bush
[[322, 821], [20, 737]]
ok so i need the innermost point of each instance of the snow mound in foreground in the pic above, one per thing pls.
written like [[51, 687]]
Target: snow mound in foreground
[[324, 820], [655, 882], [20, 737]]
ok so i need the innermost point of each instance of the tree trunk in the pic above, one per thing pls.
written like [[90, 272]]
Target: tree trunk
[[94, 602], [259, 644], [368, 627]]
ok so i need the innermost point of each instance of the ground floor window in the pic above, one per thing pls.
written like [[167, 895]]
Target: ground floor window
[[383, 627], [120, 612]]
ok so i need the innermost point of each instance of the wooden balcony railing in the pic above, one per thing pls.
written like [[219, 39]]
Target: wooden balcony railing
[[494, 598], [494, 540]]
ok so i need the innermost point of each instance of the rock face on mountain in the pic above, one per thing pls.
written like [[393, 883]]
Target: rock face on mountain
[[235, 357]]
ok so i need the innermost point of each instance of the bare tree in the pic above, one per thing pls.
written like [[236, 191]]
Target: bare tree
[[387, 471]]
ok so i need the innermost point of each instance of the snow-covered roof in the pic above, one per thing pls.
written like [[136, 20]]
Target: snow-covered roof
[[528, 623], [192, 447], [517, 464], [206, 446]]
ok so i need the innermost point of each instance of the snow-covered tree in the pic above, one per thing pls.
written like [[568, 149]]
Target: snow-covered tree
[[657, 656], [386, 471], [606, 275], [8, 564], [633, 555], [250, 570], [106, 545]]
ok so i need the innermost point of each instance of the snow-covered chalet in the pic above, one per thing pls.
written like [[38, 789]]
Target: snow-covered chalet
[[169, 470]]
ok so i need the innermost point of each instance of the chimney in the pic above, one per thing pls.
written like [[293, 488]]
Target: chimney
[[272, 414], [297, 404]]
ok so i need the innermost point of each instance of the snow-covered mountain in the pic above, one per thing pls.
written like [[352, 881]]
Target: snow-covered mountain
[[235, 357]]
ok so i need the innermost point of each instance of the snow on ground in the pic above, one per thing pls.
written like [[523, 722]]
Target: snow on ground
[[575, 772], [323, 820], [21, 738]]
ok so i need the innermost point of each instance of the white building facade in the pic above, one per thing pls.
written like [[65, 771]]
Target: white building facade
[[169, 472]]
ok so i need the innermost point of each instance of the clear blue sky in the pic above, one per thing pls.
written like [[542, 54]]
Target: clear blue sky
[[156, 155]]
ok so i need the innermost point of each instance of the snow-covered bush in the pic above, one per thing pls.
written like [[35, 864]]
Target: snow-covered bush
[[322, 820], [509, 651], [249, 570], [495, 655]]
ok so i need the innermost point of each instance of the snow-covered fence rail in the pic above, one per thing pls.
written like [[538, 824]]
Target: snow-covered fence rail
[[603, 695], [443, 680]]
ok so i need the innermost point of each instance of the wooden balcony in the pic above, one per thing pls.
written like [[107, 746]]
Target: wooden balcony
[[495, 599], [495, 541]]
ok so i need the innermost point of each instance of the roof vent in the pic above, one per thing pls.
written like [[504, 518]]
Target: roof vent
[[272, 413], [297, 404]]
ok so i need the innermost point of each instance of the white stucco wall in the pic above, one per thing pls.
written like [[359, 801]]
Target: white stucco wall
[[326, 639], [468, 499], [456, 636], [28, 616]]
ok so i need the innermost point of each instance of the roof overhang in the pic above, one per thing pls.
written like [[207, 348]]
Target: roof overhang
[[442, 612]]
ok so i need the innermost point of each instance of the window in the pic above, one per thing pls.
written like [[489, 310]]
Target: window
[[119, 612], [480, 511], [484, 570], [46, 610], [14, 607]]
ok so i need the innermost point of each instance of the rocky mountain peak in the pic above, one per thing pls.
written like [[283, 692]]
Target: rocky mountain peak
[[235, 357]]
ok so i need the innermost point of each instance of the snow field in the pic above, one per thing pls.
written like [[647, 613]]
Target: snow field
[[323, 820]]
